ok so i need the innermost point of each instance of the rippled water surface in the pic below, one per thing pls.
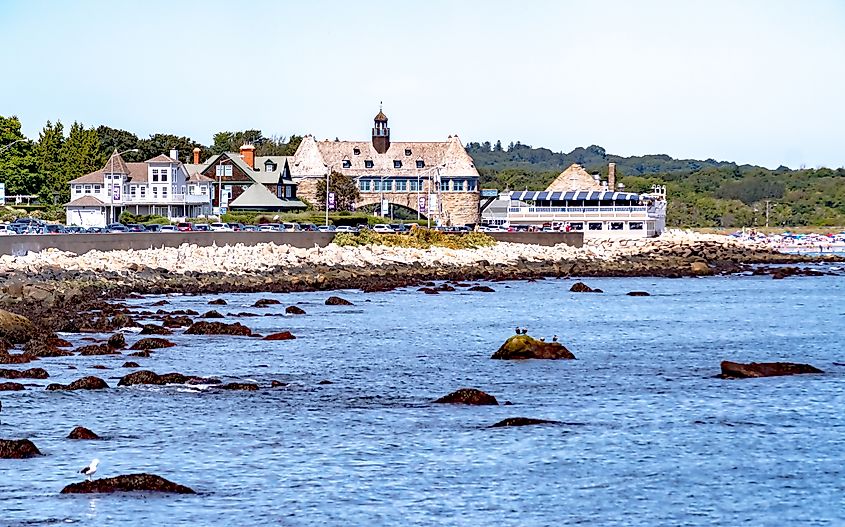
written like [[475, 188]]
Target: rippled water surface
[[648, 435]]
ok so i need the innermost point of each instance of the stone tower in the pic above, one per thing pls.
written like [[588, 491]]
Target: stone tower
[[381, 133]]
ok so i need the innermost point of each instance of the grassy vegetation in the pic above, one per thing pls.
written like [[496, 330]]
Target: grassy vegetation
[[315, 217], [417, 238]]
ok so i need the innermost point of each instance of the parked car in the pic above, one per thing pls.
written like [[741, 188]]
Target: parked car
[[202, 227], [249, 228], [135, 227], [291, 227], [184, 226], [270, 227], [5, 230], [382, 228], [400, 228], [236, 226], [94, 230], [116, 227], [308, 227], [220, 227], [326, 228], [168, 228], [153, 227], [347, 228], [74, 229]]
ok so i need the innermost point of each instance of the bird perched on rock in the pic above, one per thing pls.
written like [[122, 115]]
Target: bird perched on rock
[[524, 331], [91, 468], [517, 330], [554, 338], [542, 339]]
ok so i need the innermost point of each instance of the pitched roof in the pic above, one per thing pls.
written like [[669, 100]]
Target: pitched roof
[[85, 201], [574, 178], [257, 196], [380, 116], [161, 158], [316, 157], [115, 164]]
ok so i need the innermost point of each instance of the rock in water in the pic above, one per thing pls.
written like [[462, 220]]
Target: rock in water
[[482, 289], [32, 373], [581, 287], [149, 377], [218, 328], [16, 329], [150, 343], [521, 421], [468, 396], [244, 386], [700, 269], [526, 347], [130, 364], [264, 302], [211, 314], [117, 341], [11, 387], [337, 301], [153, 329], [638, 293], [85, 383], [80, 432], [97, 349], [284, 335], [18, 449], [217, 302], [127, 483], [294, 310], [736, 370]]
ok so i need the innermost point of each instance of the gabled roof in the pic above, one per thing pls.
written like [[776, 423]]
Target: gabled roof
[[196, 177], [257, 196], [85, 201], [574, 178], [161, 158], [115, 164]]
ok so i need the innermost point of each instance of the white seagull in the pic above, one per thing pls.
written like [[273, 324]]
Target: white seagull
[[90, 469]]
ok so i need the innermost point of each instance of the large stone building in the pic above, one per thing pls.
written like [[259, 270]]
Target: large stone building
[[436, 180]]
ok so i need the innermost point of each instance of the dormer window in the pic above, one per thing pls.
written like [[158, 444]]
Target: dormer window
[[269, 166], [397, 163], [407, 151], [347, 163], [356, 151], [368, 163], [420, 163]]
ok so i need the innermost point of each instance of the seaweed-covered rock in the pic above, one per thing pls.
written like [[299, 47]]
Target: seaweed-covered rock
[[245, 386], [149, 377], [181, 321], [482, 289], [283, 335], [212, 314], [80, 432], [218, 328], [97, 349], [521, 421], [471, 396], [142, 354], [150, 343], [736, 370], [117, 341], [11, 387], [638, 293], [127, 483], [264, 302], [32, 373], [526, 347], [16, 358], [85, 383], [154, 329], [217, 302], [337, 301], [17, 329], [294, 310], [581, 287], [18, 449], [130, 364]]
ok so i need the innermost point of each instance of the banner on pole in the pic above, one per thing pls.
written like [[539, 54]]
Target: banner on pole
[[331, 201], [115, 192], [422, 204]]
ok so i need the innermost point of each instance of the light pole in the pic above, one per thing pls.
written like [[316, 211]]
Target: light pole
[[328, 175], [111, 185], [12, 143], [220, 184]]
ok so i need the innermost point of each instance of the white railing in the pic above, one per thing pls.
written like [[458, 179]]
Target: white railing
[[580, 213], [577, 210], [170, 198]]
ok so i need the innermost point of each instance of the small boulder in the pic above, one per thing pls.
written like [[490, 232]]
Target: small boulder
[[160, 303], [482, 289], [581, 287], [264, 302], [217, 302], [337, 301], [154, 329], [117, 341], [294, 310], [11, 387], [277, 384], [429, 290], [521, 421], [97, 349], [284, 335], [142, 354], [211, 314], [85, 383], [17, 358], [99, 367], [17, 329], [700, 269], [149, 377], [245, 386], [638, 293], [80, 432], [470, 396], [43, 348], [18, 449], [218, 328], [150, 343], [32, 373], [127, 483], [182, 321], [520, 347], [130, 364], [325, 381], [59, 342], [736, 370]]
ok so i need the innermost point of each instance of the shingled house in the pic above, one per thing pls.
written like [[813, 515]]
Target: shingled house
[[436, 179]]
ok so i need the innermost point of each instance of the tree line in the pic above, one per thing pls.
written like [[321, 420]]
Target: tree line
[[44, 166], [706, 193]]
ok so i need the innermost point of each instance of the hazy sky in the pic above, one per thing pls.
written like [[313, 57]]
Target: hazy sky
[[758, 82]]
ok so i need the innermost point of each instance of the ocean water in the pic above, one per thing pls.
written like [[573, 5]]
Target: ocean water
[[647, 435]]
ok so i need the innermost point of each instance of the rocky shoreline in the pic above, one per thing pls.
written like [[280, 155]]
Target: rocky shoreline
[[52, 287]]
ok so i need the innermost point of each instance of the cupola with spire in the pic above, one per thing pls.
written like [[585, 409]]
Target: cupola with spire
[[381, 133]]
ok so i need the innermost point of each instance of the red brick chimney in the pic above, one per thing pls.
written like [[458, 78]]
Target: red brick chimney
[[197, 155], [248, 155], [611, 177]]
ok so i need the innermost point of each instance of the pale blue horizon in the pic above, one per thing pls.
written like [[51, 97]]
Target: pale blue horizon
[[747, 81]]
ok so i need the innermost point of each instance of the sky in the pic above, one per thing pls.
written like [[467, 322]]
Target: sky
[[759, 82]]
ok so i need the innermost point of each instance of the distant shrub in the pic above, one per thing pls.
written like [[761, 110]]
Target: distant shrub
[[418, 239]]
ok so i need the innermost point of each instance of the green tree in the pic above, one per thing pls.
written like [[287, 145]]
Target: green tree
[[17, 163], [48, 158], [158, 144], [80, 155], [345, 189], [114, 138]]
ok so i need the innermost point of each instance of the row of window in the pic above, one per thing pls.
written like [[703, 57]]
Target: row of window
[[414, 185], [357, 151], [135, 189], [613, 225], [368, 163], [160, 173]]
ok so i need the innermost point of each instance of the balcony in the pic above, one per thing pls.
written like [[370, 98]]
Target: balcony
[[580, 213], [171, 199]]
